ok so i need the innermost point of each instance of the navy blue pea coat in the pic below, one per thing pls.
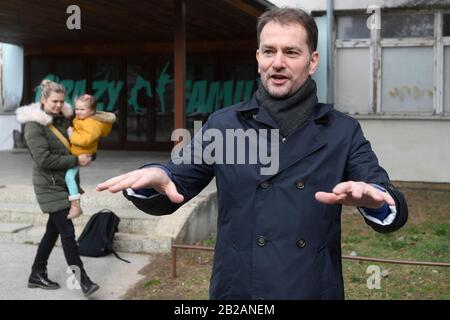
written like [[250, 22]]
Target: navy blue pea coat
[[274, 239]]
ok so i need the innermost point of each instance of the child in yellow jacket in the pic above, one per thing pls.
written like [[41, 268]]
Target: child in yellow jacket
[[88, 126]]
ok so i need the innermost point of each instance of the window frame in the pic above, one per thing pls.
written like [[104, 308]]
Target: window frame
[[375, 45]]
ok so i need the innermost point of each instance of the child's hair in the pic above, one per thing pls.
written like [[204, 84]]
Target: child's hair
[[90, 101], [48, 86]]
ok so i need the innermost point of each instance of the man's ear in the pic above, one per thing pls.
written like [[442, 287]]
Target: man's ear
[[313, 63]]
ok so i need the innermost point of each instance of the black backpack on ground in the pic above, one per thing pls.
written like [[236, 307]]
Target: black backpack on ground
[[97, 237]]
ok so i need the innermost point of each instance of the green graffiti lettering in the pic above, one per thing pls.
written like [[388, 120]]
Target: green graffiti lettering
[[100, 88], [114, 91], [141, 83], [187, 94], [238, 91], [227, 93], [162, 82], [69, 85], [197, 98], [248, 91], [78, 90], [215, 98]]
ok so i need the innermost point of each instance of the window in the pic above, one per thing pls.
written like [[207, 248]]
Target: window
[[107, 85], [446, 43], [407, 80], [70, 73], [39, 69], [447, 80], [446, 25], [139, 91], [407, 26], [352, 27], [352, 83], [403, 69], [164, 103]]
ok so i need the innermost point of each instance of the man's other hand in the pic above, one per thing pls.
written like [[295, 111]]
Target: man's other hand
[[155, 178], [359, 194]]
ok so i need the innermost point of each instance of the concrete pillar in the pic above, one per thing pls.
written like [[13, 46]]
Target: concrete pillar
[[1, 78], [180, 63]]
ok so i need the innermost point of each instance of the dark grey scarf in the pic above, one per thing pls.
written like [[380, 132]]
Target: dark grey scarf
[[289, 113]]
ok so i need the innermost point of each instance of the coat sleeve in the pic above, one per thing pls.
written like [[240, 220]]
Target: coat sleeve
[[40, 150], [85, 135], [362, 165], [190, 176]]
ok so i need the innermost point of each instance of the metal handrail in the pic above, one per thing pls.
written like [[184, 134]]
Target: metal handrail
[[349, 257]]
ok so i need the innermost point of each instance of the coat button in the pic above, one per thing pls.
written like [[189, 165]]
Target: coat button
[[300, 185], [301, 243], [261, 241], [265, 184]]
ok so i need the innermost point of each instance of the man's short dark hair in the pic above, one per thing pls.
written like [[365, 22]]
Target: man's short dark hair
[[287, 16]]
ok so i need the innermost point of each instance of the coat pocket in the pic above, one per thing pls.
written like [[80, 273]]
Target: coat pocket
[[328, 279]]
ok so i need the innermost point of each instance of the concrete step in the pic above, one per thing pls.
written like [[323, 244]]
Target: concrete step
[[91, 198], [123, 242], [6, 228], [131, 220]]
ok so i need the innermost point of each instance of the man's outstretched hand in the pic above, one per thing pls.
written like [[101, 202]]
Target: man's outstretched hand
[[155, 178], [359, 194]]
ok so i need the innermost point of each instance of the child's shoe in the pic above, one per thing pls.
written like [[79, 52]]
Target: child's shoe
[[75, 210]]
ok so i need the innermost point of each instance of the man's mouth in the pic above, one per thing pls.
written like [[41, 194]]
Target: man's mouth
[[279, 79]]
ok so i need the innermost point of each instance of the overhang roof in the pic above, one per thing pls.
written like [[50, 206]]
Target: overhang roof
[[42, 22]]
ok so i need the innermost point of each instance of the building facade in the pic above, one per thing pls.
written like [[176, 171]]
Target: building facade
[[389, 66], [126, 55], [390, 62]]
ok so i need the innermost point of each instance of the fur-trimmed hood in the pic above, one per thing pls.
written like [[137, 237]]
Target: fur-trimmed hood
[[34, 113], [103, 116]]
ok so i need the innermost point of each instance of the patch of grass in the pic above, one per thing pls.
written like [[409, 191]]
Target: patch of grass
[[440, 229], [210, 241], [402, 282], [151, 282]]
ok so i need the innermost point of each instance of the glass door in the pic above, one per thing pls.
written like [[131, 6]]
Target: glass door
[[138, 105], [106, 85]]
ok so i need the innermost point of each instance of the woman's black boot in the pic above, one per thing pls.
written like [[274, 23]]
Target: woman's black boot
[[39, 279], [87, 286]]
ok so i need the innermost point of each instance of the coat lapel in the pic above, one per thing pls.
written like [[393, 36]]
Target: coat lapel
[[303, 142]]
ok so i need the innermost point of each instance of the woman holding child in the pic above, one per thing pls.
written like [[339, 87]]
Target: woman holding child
[[45, 129]]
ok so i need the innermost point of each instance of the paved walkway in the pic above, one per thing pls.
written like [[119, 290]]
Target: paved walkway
[[114, 276], [16, 166]]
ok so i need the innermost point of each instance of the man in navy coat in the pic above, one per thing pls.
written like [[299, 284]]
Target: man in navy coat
[[278, 231]]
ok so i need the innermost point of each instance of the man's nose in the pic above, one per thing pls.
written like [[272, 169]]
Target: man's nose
[[278, 60]]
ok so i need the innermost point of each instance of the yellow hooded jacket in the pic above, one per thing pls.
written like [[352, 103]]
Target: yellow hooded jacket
[[87, 132]]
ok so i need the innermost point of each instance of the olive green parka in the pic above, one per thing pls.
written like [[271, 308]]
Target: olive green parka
[[51, 158]]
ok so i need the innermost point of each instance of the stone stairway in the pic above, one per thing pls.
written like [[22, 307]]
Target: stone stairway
[[21, 220]]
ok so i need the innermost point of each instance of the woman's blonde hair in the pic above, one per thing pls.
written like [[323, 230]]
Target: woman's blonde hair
[[48, 86]]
